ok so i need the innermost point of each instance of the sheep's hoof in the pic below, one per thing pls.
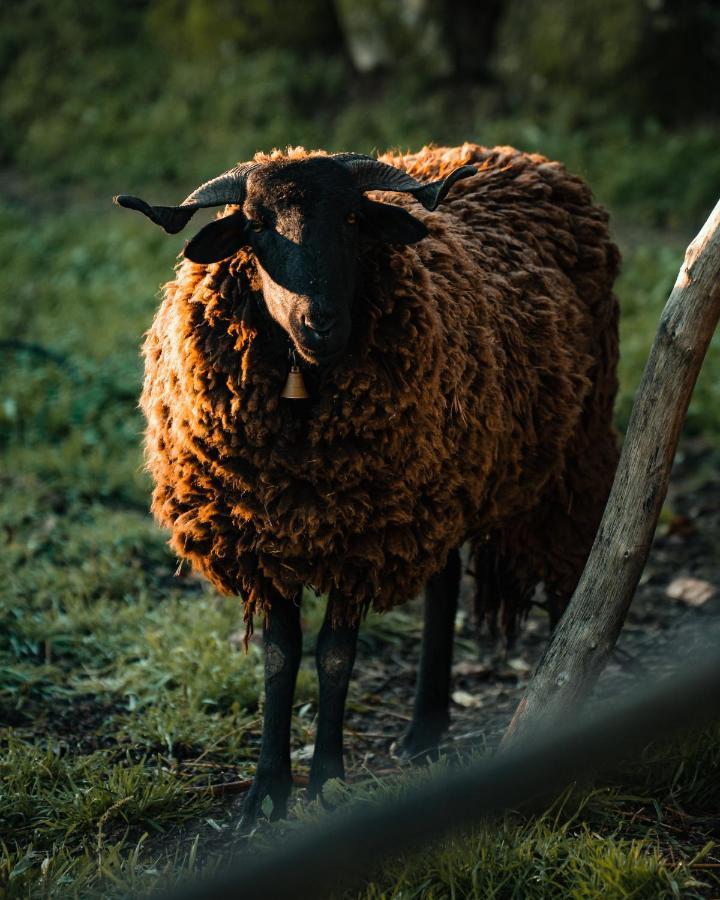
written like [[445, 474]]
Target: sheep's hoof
[[418, 745], [267, 798], [321, 772]]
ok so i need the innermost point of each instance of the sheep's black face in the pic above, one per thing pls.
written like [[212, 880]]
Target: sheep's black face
[[303, 225], [304, 220]]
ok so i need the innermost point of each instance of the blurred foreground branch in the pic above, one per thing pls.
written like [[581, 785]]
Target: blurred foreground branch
[[588, 630], [347, 847]]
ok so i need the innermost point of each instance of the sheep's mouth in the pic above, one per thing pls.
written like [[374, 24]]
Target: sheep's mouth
[[323, 358], [322, 351]]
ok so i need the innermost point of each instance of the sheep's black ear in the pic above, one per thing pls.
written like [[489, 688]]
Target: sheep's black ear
[[390, 223], [218, 240]]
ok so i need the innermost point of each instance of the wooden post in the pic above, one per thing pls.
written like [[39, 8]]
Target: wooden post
[[588, 630]]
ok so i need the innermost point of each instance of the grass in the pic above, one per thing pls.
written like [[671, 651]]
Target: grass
[[123, 691], [540, 859]]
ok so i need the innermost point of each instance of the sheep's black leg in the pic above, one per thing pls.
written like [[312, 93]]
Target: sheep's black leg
[[335, 658], [431, 716], [282, 637]]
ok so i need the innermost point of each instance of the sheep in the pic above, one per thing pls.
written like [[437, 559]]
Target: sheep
[[460, 364]]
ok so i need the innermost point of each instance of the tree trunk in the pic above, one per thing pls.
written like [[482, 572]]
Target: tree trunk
[[587, 632]]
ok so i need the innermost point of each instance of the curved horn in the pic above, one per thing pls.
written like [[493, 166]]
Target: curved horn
[[373, 175], [226, 188]]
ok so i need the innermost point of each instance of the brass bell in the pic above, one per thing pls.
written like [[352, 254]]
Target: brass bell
[[295, 386]]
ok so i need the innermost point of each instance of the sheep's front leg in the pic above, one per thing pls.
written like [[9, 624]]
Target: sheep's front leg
[[335, 658], [431, 716], [282, 637]]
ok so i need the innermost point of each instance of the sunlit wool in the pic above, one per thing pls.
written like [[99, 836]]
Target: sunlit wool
[[474, 402]]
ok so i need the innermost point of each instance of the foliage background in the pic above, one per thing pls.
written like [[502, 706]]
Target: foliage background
[[111, 669]]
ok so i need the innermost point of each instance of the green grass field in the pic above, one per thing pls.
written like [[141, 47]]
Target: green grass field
[[122, 687]]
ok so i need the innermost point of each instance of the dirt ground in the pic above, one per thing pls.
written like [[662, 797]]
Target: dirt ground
[[489, 681]]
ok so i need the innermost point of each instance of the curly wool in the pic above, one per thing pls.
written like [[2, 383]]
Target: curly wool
[[474, 402]]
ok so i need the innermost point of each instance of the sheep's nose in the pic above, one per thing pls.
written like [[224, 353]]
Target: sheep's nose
[[319, 325]]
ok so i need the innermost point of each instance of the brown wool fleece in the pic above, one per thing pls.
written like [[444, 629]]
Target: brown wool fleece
[[474, 402]]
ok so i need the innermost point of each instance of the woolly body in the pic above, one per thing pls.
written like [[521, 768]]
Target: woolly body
[[474, 402]]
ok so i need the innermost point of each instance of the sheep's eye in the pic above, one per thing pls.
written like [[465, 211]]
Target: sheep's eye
[[256, 225], [351, 218]]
